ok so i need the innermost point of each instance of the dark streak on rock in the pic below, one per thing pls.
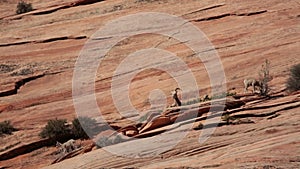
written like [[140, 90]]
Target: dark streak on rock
[[11, 44], [212, 17], [25, 149], [43, 41], [271, 113], [50, 11], [252, 13], [204, 9], [53, 9], [21, 83], [59, 38], [261, 107], [229, 14], [77, 3]]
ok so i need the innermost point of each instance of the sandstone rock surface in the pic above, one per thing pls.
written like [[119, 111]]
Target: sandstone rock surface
[[39, 50]]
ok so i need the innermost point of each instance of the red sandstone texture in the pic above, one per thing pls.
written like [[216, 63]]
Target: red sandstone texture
[[39, 50]]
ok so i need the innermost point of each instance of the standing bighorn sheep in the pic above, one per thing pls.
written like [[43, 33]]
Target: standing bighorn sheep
[[66, 147], [177, 102], [252, 82]]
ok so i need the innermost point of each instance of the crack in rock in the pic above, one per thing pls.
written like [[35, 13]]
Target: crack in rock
[[21, 83], [230, 14], [44, 40], [52, 9], [204, 9]]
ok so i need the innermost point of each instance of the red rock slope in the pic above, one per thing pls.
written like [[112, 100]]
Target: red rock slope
[[39, 50]]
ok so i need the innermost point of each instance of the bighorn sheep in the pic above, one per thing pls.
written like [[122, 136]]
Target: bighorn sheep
[[66, 147], [252, 82], [177, 102]]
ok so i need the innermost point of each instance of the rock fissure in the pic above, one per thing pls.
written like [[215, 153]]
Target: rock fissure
[[229, 14], [204, 9], [44, 40], [21, 83], [52, 9]]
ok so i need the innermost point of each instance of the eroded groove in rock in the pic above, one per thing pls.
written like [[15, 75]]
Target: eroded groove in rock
[[60, 38], [44, 40], [21, 83], [18, 84], [261, 107], [52, 9], [204, 149], [230, 14], [49, 11], [251, 13], [271, 113], [73, 4], [204, 9], [13, 44], [213, 17], [24, 149]]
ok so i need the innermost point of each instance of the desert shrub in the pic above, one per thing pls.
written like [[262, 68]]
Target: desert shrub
[[218, 96], [293, 82], [264, 78], [23, 7], [107, 141], [7, 68], [22, 72], [103, 141], [56, 129], [231, 94], [193, 101], [6, 128], [228, 119], [80, 124], [143, 118]]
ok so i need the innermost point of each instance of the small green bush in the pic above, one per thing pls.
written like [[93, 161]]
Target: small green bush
[[6, 128], [23, 7], [293, 83], [56, 129], [80, 124]]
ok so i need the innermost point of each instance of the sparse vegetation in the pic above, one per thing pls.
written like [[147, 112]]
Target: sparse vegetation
[[59, 130], [107, 141], [231, 94], [265, 77], [6, 128], [7, 68], [103, 141], [22, 72], [293, 83], [143, 118], [207, 98], [228, 119], [56, 129], [80, 124], [23, 7], [193, 101]]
